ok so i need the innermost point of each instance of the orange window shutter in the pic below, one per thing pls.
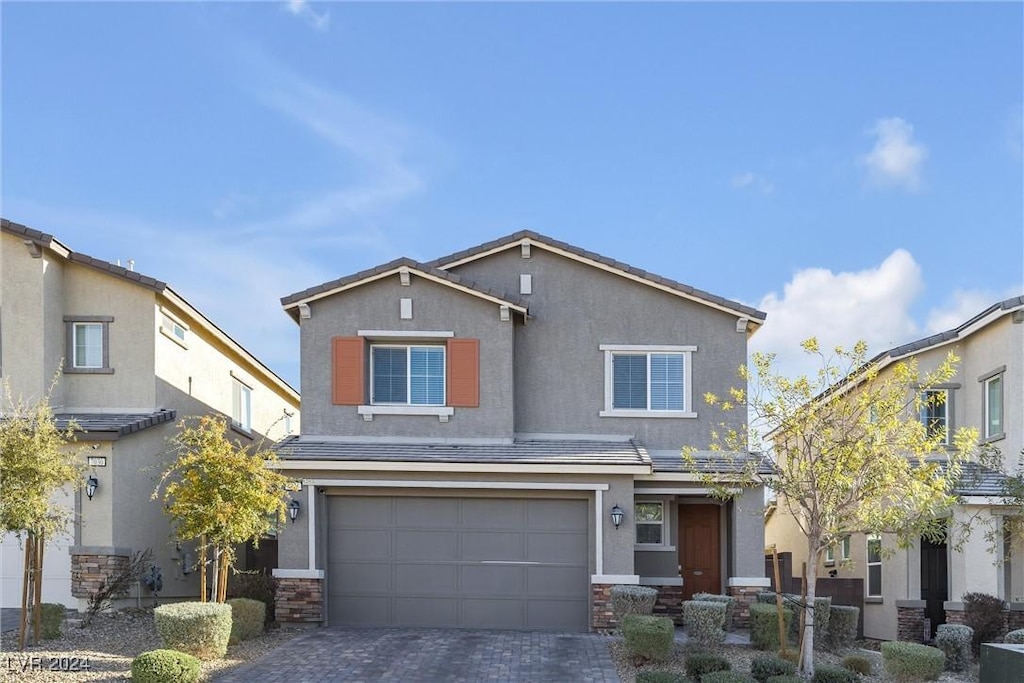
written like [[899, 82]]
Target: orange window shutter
[[347, 371], [464, 373]]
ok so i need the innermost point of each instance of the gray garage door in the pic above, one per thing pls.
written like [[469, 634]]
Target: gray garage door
[[458, 562]]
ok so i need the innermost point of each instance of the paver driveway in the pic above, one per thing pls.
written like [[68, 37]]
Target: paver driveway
[[352, 655]]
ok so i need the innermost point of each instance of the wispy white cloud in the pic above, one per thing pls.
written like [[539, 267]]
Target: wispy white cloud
[[961, 306], [749, 180], [302, 9], [896, 159]]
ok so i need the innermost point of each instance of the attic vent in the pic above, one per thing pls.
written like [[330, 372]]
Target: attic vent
[[525, 283], [525, 246]]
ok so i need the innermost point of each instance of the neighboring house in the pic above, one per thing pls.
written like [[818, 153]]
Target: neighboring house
[[929, 581], [474, 426], [135, 358]]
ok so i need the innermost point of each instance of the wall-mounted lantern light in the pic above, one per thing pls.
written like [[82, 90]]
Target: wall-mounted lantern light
[[91, 485], [293, 510], [617, 515]]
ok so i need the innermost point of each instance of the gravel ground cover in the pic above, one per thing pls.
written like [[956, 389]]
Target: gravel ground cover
[[739, 657], [107, 647]]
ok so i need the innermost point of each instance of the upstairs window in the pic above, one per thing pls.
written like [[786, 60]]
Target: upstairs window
[[241, 405], [935, 413], [651, 381], [87, 344], [407, 375], [170, 327], [874, 564], [993, 399]]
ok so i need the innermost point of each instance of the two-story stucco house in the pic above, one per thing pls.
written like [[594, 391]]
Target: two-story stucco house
[[492, 439], [928, 581], [134, 358]]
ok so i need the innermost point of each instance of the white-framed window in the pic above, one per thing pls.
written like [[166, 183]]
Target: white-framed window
[[648, 381], [649, 522], [873, 586], [87, 351], [993, 400], [87, 347], [172, 328], [407, 375], [935, 413], [241, 405], [288, 422], [844, 548], [830, 555]]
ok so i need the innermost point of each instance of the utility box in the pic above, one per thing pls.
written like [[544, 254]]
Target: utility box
[[1002, 663]]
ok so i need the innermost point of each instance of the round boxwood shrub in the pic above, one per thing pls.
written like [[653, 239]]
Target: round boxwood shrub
[[648, 637], [1015, 637], [785, 679], [704, 621], [955, 641], [165, 666], [656, 676], [198, 628], [763, 667], [630, 599], [699, 663], [764, 625], [727, 600], [912, 661], [857, 663], [823, 673], [726, 677]]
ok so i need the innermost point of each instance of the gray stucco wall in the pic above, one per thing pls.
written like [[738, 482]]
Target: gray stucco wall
[[746, 522], [559, 369], [375, 306]]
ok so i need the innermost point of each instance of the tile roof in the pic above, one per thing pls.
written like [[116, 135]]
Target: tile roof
[[516, 237], [978, 480], [25, 231], [443, 275], [708, 461], [117, 424], [532, 452]]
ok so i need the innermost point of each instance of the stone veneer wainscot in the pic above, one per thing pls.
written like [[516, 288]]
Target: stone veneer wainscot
[[299, 600], [92, 566]]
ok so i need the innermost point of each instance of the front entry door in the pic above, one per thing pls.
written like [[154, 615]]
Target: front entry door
[[700, 549], [934, 582]]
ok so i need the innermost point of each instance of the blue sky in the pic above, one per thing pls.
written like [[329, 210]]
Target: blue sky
[[855, 170]]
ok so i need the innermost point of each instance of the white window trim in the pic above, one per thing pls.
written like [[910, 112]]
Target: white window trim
[[166, 316], [947, 407], [845, 544], [830, 556], [74, 344], [406, 334], [687, 353], [868, 564], [998, 377], [408, 380], [243, 388], [666, 526]]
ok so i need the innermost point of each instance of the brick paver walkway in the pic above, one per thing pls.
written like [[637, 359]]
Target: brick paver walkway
[[355, 655]]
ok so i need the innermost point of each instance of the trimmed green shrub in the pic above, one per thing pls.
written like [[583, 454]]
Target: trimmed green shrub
[[649, 676], [822, 618], [790, 656], [983, 613], [842, 626], [726, 677], [727, 600], [763, 667], [247, 619], [857, 663], [198, 628], [648, 637], [632, 599], [823, 673], [165, 666], [704, 621], [912, 661], [785, 679], [1015, 637], [766, 597], [52, 618], [254, 585], [955, 641], [699, 663], [764, 625]]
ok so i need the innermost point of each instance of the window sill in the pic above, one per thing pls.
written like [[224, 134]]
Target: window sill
[[441, 412], [995, 437], [830, 563], [235, 427], [173, 338], [640, 547], [647, 413], [874, 600], [88, 371]]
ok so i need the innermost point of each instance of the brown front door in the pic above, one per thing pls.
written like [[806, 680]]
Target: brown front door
[[700, 549]]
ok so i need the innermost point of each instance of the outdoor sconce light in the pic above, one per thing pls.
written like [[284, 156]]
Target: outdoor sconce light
[[293, 510], [617, 515], [90, 486]]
